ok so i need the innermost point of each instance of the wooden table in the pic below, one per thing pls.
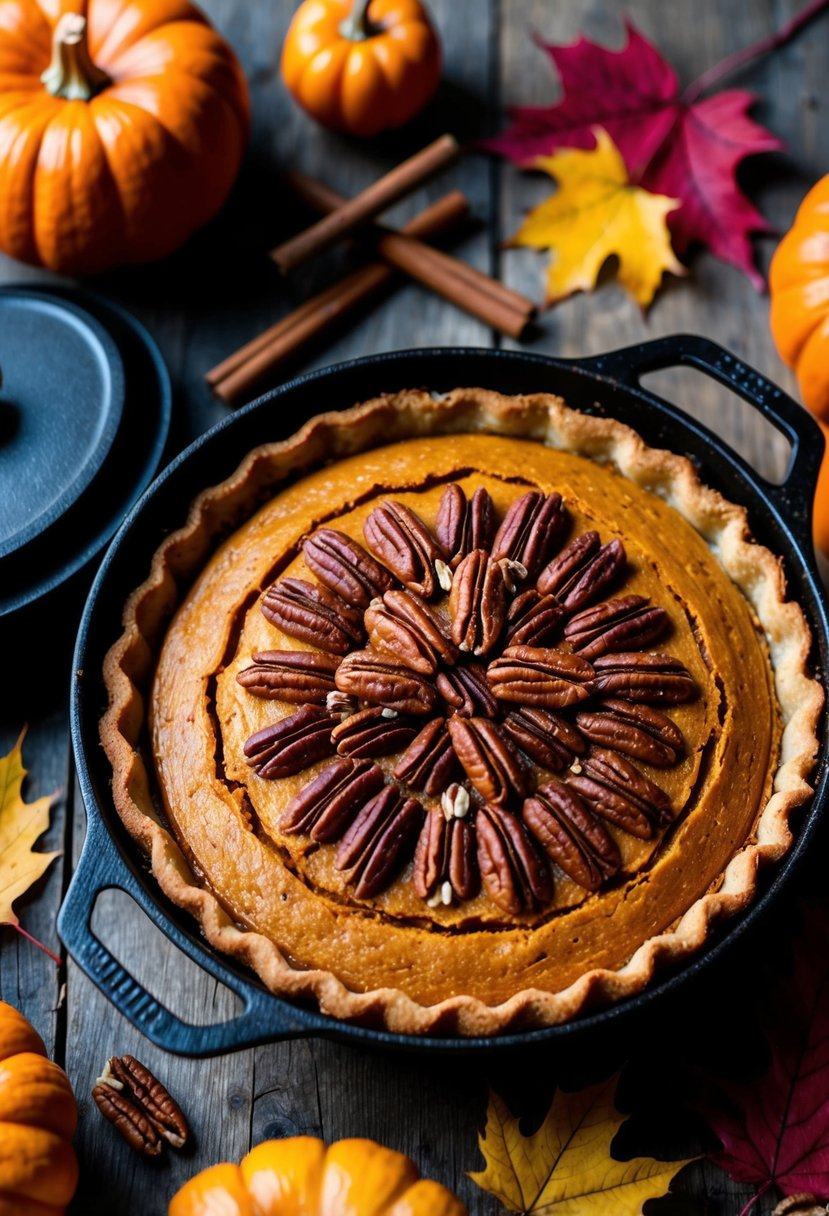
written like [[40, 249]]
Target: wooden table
[[203, 304]]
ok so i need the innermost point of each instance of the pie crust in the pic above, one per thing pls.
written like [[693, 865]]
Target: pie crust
[[176, 727]]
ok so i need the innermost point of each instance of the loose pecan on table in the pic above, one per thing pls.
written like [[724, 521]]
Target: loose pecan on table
[[139, 1106], [570, 835], [296, 676]]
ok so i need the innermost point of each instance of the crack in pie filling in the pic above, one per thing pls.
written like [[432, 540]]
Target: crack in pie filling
[[472, 711]]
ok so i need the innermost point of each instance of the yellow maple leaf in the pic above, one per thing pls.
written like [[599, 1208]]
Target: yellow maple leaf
[[596, 213], [565, 1168], [21, 823]]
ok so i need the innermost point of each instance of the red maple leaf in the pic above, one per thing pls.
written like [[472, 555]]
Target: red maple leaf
[[775, 1131], [674, 143]]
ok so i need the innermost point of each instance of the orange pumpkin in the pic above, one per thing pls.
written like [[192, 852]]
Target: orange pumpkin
[[820, 522], [301, 1177], [38, 1169], [121, 131], [364, 66], [799, 286]]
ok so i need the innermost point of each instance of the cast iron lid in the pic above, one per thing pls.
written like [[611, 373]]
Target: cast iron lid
[[84, 416]]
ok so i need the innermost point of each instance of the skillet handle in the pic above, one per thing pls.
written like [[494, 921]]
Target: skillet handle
[[101, 867], [794, 496]]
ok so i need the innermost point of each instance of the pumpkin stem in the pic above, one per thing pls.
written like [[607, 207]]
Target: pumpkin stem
[[72, 74], [357, 26]]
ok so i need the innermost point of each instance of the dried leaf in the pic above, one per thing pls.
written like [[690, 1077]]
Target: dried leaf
[[565, 1168], [594, 214], [21, 823]]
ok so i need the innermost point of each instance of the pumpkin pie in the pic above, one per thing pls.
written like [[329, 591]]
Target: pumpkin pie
[[461, 713]]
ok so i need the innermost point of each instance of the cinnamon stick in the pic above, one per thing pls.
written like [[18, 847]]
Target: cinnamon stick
[[357, 211], [455, 280], [235, 377]]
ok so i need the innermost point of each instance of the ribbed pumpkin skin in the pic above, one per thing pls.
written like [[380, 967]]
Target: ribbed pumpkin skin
[[128, 175], [361, 86], [38, 1114], [799, 286], [301, 1177]]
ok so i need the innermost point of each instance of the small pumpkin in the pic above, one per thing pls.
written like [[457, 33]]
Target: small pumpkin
[[299, 1176], [799, 286], [361, 66], [121, 130], [38, 1113]]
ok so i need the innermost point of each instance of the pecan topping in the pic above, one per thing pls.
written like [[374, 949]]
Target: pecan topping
[[621, 794], [466, 691], [637, 730], [429, 763], [582, 571], [477, 603], [343, 565], [375, 846], [657, 679], [139, 1106], [455, 802], [621, 624], [545, 737], [533, 619], [568, 833], [297, 676], [402, 542], [329, 803], [488, 758], [530, 675], [403, 625], [444, 862], [374, 677], [530, 531], [513, 873], [313, 614], [461, 525], [371, 732], [291, 744], [341, 703]]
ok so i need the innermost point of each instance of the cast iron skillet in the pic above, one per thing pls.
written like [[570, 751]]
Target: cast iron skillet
[[780, 517]]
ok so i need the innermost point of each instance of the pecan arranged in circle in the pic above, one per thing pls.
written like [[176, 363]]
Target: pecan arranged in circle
[[493, 731]]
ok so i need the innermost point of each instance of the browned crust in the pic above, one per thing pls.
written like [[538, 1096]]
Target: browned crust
[[545, 418]]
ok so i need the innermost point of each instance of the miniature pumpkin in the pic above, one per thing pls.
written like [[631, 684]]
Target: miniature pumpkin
[[799, 286], [38, 1169], [364, 66], [820, 525], [121, 131], [301, 1177]]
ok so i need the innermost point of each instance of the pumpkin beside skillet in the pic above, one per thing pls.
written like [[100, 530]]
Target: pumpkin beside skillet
[[121, 131]]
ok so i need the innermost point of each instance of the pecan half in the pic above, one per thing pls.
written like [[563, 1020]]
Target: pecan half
[[374, 677], [637, 730], [444, 861], [291, 744], [477, 603], [530, 531], [455, 801], [621, 624], [300, 676], [488, 758], [343, 565], [403, 625], [545, 737], [139, 1106], [463, 525], [617, 791], [401, 541], [466, 691], [533, 619], [531, 675], [376, 845], [326, 806], [341, 703], [570, 836], [313, 614], [582, 571], [514, 874], [656, 679], [429, 764], [373, 732]]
